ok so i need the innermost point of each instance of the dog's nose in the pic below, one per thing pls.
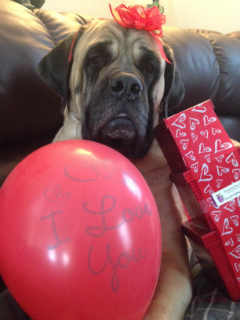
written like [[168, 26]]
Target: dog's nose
[[126, 84]]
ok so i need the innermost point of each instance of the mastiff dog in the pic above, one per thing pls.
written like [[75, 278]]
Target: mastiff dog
[[115, 84]]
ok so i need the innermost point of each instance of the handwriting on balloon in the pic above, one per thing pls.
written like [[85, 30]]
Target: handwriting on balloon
[[56, 194], [108, 204], [91, 175], [122, 261], [58, 240]]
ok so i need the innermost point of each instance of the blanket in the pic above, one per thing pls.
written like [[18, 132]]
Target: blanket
[[209, 303]]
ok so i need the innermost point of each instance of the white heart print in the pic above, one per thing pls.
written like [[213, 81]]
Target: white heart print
[[222, 146], [208, 120], [194, 123], [180, 121], [203, 149], [205, 175]]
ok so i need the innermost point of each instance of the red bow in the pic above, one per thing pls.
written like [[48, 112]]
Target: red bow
[[141, 18]]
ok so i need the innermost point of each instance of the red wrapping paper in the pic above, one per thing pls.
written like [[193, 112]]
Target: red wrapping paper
[[203, 158]]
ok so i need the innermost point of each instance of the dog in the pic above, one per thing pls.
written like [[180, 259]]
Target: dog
[[116, 84]]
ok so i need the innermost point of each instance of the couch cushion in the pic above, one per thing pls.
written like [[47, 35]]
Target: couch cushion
[[209, 63], [28, 108]]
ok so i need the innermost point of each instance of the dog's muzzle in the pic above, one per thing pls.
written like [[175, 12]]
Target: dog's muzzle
[[119, 128], [121, 124], [120, 131]]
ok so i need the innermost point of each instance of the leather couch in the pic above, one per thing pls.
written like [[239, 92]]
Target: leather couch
[[31, 113]]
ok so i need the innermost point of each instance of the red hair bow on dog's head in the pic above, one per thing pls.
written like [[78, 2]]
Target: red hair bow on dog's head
[[141, 18]]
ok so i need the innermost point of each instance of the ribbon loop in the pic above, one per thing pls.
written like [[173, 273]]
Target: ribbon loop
[[141, 18]]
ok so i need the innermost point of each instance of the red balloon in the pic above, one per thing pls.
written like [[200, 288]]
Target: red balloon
[[80, 234]]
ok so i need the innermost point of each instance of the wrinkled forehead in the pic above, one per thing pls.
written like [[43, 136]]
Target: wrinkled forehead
[[117, 37]]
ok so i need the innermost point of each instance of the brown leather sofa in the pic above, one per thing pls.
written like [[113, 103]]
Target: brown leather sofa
[[31, 113]]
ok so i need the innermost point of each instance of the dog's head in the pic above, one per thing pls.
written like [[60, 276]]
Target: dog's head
[[114, 85]]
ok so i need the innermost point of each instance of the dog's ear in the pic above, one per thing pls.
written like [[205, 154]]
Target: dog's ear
[[174, 87], [55, 67]]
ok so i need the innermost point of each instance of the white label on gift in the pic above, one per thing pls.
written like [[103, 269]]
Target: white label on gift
[[226, 194]]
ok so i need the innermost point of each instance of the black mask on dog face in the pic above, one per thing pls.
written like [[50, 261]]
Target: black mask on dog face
[[119, 112]]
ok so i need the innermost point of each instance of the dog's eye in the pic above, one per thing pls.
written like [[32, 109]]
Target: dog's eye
[[95, 61], [98, 56], [148, 65]]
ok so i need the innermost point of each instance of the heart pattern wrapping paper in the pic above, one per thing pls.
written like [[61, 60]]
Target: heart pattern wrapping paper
[[211, 166]]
